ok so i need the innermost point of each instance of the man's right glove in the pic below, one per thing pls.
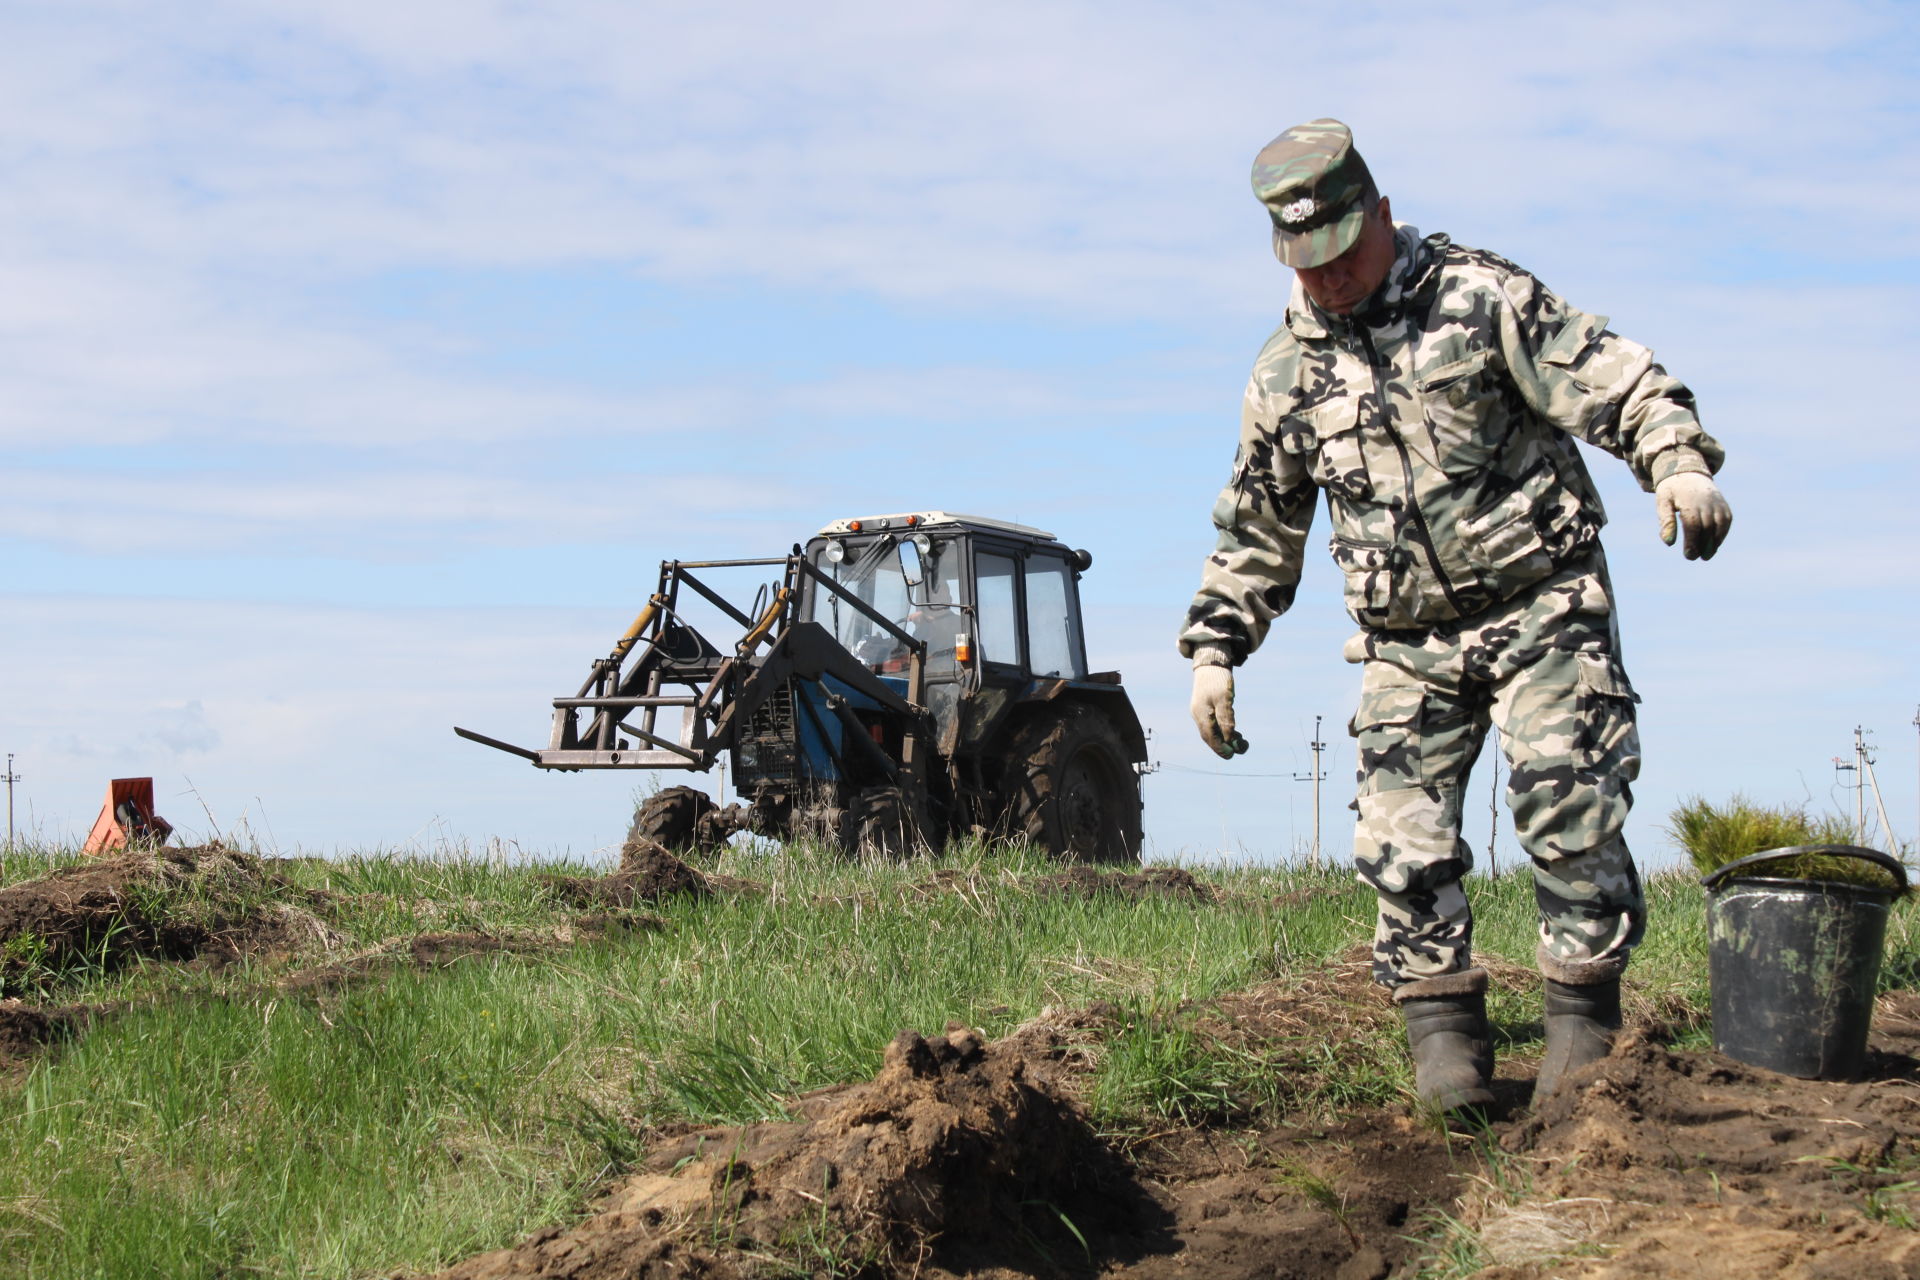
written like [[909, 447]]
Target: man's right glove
[[1213, 702], [1701, 510]]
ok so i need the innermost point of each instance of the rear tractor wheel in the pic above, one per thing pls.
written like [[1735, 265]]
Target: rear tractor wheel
[[1070, 788]]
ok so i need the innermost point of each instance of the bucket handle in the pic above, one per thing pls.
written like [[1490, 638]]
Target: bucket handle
[[1886, 862]]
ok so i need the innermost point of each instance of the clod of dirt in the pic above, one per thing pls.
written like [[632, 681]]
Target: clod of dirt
[[648, 872], [171, 904], [1152, 882], [957, 1156]]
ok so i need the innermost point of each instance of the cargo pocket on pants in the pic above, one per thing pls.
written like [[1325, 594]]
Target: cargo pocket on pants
[[1387, 733], [1609, 737]]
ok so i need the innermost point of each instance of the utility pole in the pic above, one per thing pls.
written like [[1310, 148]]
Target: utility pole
[[1859, 788], [1860, 769], [12, 777], [1316, 777]]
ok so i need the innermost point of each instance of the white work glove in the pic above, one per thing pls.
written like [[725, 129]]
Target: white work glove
[[1213, 704], [1696, 502]]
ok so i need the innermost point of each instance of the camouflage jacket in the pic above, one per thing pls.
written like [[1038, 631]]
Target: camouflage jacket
[[1440, 419]]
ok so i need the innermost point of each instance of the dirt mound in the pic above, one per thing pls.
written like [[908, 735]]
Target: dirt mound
[[956, 1157], [1151, 882], [963, 1158], [169, 904]]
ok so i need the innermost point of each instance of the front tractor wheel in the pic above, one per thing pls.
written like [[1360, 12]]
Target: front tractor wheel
[[1070, 789], [672, 818], [881, 826]]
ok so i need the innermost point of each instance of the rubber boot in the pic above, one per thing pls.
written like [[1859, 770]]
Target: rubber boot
[[1581, 1020], [1448, 1036]]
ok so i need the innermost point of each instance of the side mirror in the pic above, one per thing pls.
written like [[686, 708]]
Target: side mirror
[[910, 567]]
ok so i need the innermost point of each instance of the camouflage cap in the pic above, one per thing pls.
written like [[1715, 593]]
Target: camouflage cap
[[1311, 180]]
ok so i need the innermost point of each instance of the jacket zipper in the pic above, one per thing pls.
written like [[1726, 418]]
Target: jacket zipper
[[1420, 529]]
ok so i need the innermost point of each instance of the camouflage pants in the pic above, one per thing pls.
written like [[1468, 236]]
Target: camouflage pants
[[1543, 669]]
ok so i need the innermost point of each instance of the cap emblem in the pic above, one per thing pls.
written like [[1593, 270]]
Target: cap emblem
[[1298, 212]]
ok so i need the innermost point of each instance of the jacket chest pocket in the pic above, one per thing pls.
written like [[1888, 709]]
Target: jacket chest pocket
[[1326, 438], [1463, 405]]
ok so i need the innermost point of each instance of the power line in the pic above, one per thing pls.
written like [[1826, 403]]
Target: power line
[[1223, 773]]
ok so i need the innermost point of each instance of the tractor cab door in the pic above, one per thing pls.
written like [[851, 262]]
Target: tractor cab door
[[1026, 605], [1028, 608]]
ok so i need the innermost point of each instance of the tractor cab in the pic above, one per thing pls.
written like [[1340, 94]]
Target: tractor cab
[[997, 603]]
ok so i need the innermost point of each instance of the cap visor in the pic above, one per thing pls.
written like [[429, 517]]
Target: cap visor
[[1322, 245]]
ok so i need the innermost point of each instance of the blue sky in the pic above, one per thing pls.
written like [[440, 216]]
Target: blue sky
[[362, 361]]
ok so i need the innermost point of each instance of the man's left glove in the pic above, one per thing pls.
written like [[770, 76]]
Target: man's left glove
[[1213, 699], [1695, 501]]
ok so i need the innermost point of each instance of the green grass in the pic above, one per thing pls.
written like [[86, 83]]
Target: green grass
[[216, 1122]]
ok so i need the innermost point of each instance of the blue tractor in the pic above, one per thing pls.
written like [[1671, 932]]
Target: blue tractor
[[902, 680]]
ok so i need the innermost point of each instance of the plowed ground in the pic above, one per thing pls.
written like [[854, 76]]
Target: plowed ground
[[968, 1159]]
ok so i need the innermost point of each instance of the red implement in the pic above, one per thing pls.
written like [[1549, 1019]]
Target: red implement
[[127, 816]]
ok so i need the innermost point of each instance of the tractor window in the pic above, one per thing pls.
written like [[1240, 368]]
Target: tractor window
[[1053, 640], [872, 571], [999, 624], [936, 616]]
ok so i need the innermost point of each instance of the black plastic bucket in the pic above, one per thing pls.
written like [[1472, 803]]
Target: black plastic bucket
[[1794, 962]]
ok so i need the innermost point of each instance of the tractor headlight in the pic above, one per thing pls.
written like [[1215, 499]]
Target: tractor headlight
[[836, 552]]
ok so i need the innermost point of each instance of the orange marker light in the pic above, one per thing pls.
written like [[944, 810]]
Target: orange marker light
[[854, 525], [912, 520], [963, 648]]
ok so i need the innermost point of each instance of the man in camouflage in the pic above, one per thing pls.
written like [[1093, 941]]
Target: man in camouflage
[[1434, 392]]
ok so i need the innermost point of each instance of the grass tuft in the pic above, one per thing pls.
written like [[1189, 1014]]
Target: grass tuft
[[1714, 835]]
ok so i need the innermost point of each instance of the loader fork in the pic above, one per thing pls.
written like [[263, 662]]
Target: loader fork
[[662, 652]]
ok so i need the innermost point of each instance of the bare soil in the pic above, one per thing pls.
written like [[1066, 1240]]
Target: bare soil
[[963, 1158], [1663, 1163]]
